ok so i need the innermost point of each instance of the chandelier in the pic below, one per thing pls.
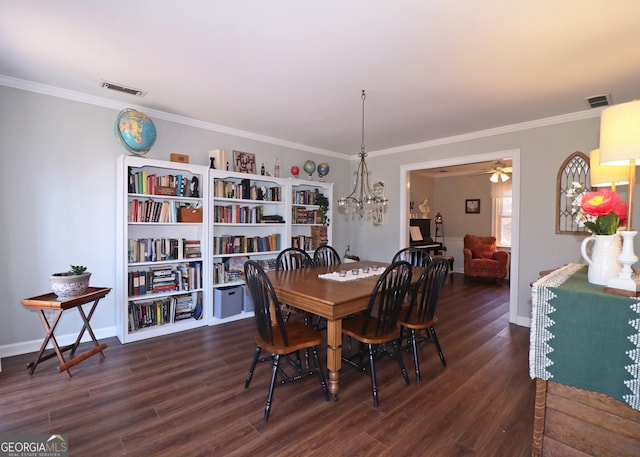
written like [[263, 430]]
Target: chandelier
[[361, 200]]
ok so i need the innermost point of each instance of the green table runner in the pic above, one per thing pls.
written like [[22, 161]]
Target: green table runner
[[584, 337]]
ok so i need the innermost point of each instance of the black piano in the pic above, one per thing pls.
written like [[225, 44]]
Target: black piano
[[420, 235]]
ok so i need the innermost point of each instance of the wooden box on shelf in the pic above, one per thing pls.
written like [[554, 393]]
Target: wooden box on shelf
[[190, 215]]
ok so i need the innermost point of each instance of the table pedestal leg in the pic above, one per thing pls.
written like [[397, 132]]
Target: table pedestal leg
[[334, 354]]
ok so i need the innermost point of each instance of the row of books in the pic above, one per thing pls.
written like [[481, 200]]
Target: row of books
[[163, 311], [236, 214], [153, 211], [232, 270], [161, 249], [222, 275], [307, 243], [305, 197], [301, 215], [244, 190], [165, 278], [242, 244], [142, 182]]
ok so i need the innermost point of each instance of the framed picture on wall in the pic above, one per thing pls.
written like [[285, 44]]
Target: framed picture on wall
[[472, 206], [244, 162]]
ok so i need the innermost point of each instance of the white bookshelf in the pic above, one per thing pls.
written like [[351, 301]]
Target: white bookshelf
[[154, 245], [225, 199]]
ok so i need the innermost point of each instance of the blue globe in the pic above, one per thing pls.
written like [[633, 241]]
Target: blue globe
[[323, 170], [135, 130]]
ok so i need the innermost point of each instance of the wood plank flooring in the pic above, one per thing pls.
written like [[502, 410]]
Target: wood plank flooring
[[183, 395]]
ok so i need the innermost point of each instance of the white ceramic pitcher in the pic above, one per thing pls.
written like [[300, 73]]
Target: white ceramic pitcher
[[603, 261]]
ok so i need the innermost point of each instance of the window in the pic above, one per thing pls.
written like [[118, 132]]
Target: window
[[501, 197]]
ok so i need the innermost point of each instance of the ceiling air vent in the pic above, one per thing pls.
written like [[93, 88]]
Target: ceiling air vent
[[597, 101], [122, 88]]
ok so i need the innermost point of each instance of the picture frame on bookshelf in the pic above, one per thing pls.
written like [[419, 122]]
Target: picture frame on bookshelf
[[244, 162]]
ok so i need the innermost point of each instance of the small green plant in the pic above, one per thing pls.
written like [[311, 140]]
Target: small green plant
[[323, 203], [78, 269]]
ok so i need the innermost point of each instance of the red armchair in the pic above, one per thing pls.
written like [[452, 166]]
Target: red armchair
[[482, 260]]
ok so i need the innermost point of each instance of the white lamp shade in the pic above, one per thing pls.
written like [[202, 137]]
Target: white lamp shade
[[606, 175], [620, 134]]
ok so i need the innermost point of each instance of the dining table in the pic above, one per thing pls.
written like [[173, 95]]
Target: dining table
[[322, 291]]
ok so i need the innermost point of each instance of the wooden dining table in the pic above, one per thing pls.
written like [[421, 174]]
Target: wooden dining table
[[328, 298]]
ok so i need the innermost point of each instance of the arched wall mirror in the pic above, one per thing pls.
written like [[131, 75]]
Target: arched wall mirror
[[574, 169]]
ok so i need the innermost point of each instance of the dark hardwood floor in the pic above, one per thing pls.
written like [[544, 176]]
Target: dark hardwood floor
[[183, 395]]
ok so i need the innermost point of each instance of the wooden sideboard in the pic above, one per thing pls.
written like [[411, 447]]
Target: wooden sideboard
[[582, 357]]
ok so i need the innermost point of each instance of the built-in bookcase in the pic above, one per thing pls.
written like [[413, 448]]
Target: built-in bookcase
[[309, 228], [184, 232], [162, 241], [255, 217], [249, 220]]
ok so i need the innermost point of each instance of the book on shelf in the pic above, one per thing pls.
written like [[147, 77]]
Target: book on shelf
[[142, 182], [162, 311]]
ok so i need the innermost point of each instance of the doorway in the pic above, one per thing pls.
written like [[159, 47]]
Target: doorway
[[405, 171]]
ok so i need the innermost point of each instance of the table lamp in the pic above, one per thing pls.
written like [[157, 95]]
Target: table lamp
[[606, 175], [620, 146]]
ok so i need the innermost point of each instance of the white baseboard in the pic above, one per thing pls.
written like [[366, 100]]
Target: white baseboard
[[25, 347]]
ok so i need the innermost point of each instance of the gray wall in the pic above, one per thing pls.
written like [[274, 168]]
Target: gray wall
[[58, 191], [57, 188], [542, 149]]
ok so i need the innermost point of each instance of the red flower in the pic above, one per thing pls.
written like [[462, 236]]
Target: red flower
[[603, 202]]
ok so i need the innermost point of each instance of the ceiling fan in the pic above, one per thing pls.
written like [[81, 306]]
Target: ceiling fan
[[499, 172]]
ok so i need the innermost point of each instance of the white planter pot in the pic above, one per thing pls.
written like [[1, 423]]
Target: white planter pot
[[69, 285]]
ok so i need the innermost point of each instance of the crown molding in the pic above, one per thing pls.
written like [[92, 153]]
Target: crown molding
[[554, 120], [81, 97], [113, 104]]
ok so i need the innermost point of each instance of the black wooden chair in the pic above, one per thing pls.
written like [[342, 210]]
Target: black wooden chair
[[378, 324], [417, 257], [277, 337], [420, 313], [326, 255], [293, 259]]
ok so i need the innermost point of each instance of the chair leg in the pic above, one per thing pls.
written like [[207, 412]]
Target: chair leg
[[267, 408], [437, 343], [253, 367], [323, 383], [372, 369], [396, 348], [414, 345]]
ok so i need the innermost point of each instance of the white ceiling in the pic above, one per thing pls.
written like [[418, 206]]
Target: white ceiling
[[294, 69]]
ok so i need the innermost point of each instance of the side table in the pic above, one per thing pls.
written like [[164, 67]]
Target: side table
[[50, 301]]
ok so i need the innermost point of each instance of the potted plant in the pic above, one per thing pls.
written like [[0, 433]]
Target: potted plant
[[70, 283], [323, 204]]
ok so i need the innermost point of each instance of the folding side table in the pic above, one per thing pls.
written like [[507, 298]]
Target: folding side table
[[50, 301]]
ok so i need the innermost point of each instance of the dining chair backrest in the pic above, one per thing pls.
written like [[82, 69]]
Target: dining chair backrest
[[387, 298], [293, 259], [265, 303], [415, 256], [425, 295], [326, 255]]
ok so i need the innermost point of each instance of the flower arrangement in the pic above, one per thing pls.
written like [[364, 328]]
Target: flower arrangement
[[601, 212]]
